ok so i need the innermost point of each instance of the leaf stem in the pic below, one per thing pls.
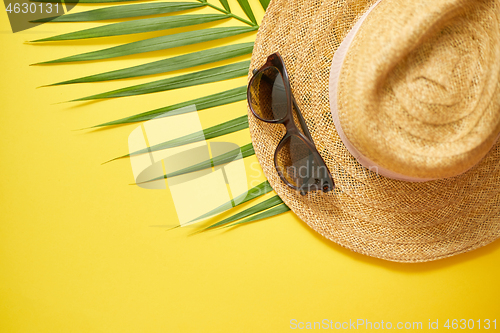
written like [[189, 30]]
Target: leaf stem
[[229, 13]]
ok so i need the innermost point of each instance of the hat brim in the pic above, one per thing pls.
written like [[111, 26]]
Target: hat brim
[[367, 213]]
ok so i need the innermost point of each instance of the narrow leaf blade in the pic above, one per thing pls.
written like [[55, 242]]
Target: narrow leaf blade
[[242, 152], [253, 193], [248, 10], [265, 3], [224, 128], [233, 155], [138, 26], [84, 1], [124, 11], [206, 102], [225, 4], [280, 209], [188, 80], [271, 202], [157, 43], [171, 64]]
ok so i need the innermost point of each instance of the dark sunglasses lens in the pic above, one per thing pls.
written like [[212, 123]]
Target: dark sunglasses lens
[[268, 96], [299, 166]]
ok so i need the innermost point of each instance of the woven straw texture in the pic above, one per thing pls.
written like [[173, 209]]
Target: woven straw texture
[[427, 85], [368, 213]]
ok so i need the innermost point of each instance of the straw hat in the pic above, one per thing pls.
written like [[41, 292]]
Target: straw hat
[[403, 102]]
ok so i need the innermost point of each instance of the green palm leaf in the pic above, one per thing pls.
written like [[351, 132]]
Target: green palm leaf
[[271, 202], [84, 1], [137, 26], [124, 11], [269, 207], [157, 43], [170, 64], [227, 127], [225, 4], [192, 79], [253, 193], [233, 155], [206, 102], [264, 3], [283, 208], [242, 152], [248, 10]]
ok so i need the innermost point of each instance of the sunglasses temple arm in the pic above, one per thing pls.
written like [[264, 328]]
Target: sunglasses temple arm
[[299, 114], [301, 120]]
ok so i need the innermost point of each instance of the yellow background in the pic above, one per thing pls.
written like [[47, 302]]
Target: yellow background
[[79, 250]]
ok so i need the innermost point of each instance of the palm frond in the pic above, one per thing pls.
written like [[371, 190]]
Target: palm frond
[[233, 155], [253, 193], [170, 64], [227, 127], [248, 10], [280, 209], [206, 102], [188, 80], [225, 4], [124, 11], [271, 202], [264, 3], [85, 1], [156, 44], [214, 73], [137, 26]]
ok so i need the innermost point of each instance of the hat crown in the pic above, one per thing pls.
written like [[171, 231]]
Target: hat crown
[[418, 94], [444, 76]]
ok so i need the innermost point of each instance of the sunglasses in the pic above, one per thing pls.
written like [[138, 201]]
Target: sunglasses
[[296, 158]]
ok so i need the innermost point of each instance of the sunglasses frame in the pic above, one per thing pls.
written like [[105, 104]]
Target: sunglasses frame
[[275, 60]]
